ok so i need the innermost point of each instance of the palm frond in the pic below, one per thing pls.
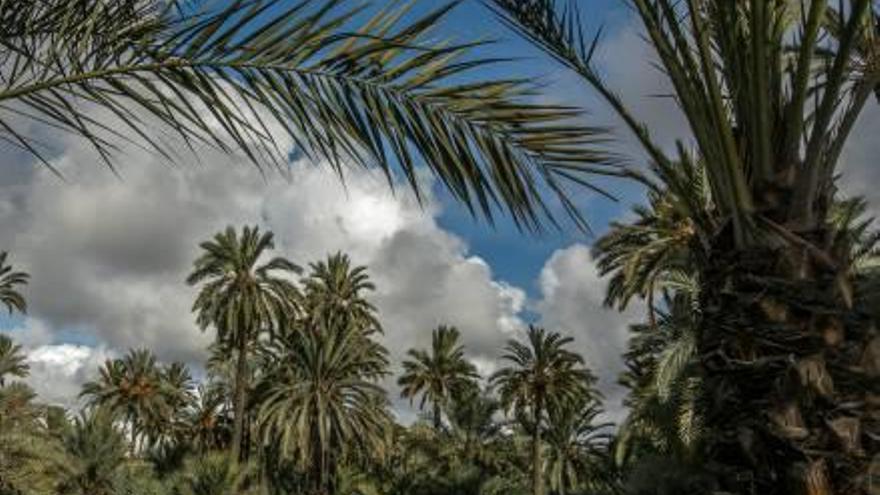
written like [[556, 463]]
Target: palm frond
[[382, 91]]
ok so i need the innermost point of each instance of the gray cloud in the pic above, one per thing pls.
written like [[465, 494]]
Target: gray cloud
[[572, 295], [108, 256]]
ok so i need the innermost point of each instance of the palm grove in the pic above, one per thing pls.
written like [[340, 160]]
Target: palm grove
[[755, 371]]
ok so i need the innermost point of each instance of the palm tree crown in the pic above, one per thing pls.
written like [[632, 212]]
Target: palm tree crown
[[437, 374], [132, 388], [242, 298], [335, 295], [320, 402]]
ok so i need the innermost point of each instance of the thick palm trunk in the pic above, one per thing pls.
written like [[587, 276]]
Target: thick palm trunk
[[791, 380], [537, 478], [239, 400]]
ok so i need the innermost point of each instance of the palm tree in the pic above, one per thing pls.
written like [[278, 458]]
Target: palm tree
[[131, 388], [542, 374], [9, 280], [242, 298], [13, 362], [577, 445], [97, 452], [651, 254], [31, 457], [471, 413], [772, 92], [323, 73], [178, 391], [208, 421], [320, 401], [437, 374]]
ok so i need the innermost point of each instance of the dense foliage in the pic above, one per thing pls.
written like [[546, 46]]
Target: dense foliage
[[315, 418]]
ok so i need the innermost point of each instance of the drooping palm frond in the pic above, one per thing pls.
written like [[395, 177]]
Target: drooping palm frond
[[344, 86], [13, 361], [320, 402], [9, 282], [439, 374], [335, 293]]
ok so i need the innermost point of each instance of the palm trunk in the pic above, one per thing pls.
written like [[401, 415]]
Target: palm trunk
[[133, 438], [791, 385], [240, 399], [438, 417], [537, 478]]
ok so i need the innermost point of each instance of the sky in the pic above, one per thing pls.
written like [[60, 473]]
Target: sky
[[108, 255]]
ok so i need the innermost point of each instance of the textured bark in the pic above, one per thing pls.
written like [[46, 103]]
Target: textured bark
[[786, 398]]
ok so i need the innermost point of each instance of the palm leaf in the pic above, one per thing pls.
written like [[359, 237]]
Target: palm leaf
[[381, 91]]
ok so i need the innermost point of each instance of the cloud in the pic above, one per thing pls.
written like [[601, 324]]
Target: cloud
[[57, 371], [108, 255], [572, 293]]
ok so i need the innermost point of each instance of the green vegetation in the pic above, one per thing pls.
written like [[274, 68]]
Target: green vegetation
[[315, 418], [757, 370]]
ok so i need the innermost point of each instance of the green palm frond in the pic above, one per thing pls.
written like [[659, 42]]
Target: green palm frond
[[438, 375], [335, 294], [9, 282], [13, 361], [376, 89]]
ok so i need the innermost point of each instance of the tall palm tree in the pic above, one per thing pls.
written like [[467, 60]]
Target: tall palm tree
[[13, 362], [541, 374], [437, 375], [772, 92], [9, 282], [131, 388], [321, 401], [328, 74], [242, 296]]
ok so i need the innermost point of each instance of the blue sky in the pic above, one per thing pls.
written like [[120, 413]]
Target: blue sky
[[108, 256], [518, 257]]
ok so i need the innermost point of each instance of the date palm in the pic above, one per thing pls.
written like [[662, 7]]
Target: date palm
[[346, 82], [541, 374], [13, 361], [31, 457], [242, 296], [772, 92], [97, 453], [576, 445], [208, 420], [131, 388], [320, 401], [439, 374], [10, 280], [178, 391]]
